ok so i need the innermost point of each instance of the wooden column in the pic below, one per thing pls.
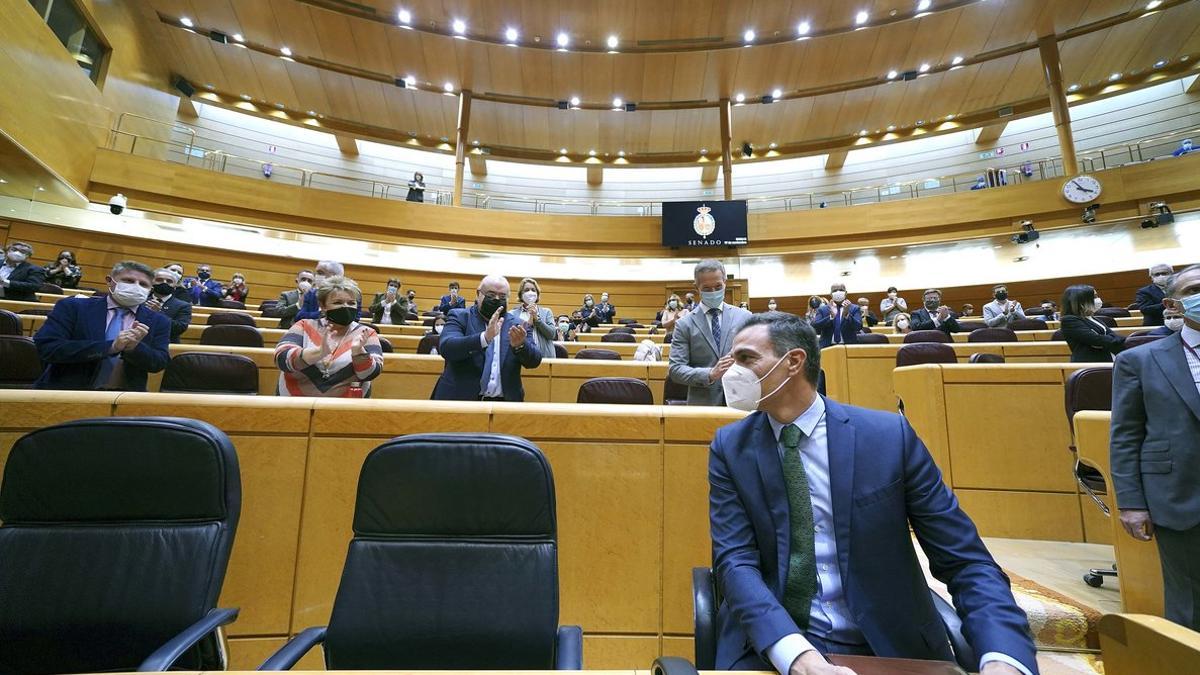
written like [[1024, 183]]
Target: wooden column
[[726, 142], [1052, 68], [460, 144]]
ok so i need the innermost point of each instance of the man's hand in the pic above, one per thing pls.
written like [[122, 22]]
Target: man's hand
[[718, 371], [1137, 523], [494, 325], [846, 303], [516, 336], [136, 332], [943, 313], [154, 304], [998, 668], [812, 663]]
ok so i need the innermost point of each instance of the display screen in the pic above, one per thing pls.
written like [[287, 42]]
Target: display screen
[[707, 223]]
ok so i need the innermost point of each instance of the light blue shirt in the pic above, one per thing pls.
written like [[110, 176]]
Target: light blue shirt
[[494, 388], [829, 615]]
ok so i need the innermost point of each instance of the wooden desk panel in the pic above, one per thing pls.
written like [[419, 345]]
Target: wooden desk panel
[[1134, 644], [686, 542]]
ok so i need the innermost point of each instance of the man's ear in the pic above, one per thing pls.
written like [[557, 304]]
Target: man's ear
[[797, 358], [1171, 304]]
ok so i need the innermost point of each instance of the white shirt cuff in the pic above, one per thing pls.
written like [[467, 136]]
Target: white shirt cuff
[[483, 339], [784, 652], [1003, 658]]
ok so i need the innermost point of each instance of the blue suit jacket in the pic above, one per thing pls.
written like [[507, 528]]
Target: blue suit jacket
[[464, 357], [206, 293], [445, 305], [874, 502], [851, 324], [71, 343], [1149, 300]]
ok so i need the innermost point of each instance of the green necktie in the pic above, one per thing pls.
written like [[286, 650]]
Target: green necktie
[[801, 583]]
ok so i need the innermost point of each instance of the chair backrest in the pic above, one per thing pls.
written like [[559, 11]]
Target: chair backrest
[[674, 393], [20, 365], [10, 324], [626, 321], [1087, 389], [231, 318], [968, 325], [627, 328], [992, 335], [601, 354], [47, 287], [626, 390], [986, 358], [915, 354], [454, 560], [1027, 324], [210, 373], [35, 312], [927, 336], [873, 338], [560, 352], [634, 325], [116, 536], [1139, 340], [618, 337], [1105, 319], [427, 343], [269, 309], [233, 304], [385, 345], [231, 335], [1113, 311]]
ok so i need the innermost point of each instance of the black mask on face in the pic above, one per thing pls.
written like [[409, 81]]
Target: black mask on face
[[204, 275], [489, 306], [814, 303], [931, 305], [163, 289], [342, 316], [1002, 295]]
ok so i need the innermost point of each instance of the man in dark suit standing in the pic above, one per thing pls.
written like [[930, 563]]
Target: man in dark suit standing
[[1149, 298], [451, 300], [934, 315], [839, 321], [485, 349], [810, 505], [206, 292], [107, 343], [19, 278], [289, 302], [1155, 448], [162, 299]]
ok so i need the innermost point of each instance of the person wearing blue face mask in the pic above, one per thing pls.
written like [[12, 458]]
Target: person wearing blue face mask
[[701, 340], [810, 508], [1155, 447], [1149, 298]]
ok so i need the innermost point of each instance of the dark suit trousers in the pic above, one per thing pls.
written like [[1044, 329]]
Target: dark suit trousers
[[753, 661], [1180, 554]]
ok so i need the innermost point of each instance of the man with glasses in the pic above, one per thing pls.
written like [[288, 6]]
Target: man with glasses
[[485, 348], [19, 278]]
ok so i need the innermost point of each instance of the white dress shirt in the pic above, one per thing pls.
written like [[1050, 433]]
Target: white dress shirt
[[1191, 338], [494, 388]]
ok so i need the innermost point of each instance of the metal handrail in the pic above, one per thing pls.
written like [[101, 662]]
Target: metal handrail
[[173, 126]]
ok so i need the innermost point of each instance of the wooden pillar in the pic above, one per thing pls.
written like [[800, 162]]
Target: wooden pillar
[[726, 142], [1052, 68], [460, 144]]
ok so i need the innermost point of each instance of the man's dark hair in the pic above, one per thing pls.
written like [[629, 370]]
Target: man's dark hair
[[132, 266], [788, 332], [1077, 299], [455, 284], [1174, 283]]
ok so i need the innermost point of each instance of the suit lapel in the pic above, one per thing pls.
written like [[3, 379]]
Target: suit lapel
[[97, 318], [1168, 352], [770, 470], [840, 438]]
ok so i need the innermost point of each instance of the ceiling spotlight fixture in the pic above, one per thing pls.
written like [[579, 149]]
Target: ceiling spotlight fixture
[[237, 37], [891, 127], [803, 28], [562, 151], [563, 40], [1160, 63], [591, 153], [620, 153], [773, 145], [891, 75], [861, 18], [862, 132], [404, 16], [410, 81], [245, 97], [1153, 4], [285, 51], [1114, 77], [574, 101], [740, 97], [448, 87], [459, 26], [185, 21], [618, 103], [2, 181], [612, 42], [748, 36], [511, 34], [956, 60], [924, 5], [949, 117], [924, 68], [312, 113], [703, 151], [1073, 87], [777, 93]]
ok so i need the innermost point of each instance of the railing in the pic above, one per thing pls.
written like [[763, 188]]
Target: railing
[[187, 152]]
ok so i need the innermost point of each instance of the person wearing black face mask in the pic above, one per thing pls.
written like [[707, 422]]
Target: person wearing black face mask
[[485, 349], [1001, 312], [333, 356], [162, 299], [206, 292], [934, 315]]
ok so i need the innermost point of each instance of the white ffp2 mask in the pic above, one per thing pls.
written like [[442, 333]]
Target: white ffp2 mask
[[743, 389]]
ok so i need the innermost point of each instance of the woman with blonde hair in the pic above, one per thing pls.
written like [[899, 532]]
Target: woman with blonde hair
[[902, 323], [538, 320], [333, 356], [671, 312]]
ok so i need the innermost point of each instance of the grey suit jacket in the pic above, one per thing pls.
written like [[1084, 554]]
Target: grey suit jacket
[[693, 352], [288, 307], [1155, 434]]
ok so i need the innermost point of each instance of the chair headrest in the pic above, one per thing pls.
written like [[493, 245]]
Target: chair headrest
[[456, 485], [121, 469]]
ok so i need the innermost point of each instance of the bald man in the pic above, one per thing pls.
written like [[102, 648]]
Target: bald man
[[485, 348]]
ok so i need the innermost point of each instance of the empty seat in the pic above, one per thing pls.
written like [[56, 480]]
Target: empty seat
[[560, 352], [634, 325], [992, 335], [969, 325], [230, 335], [623, 329], [1089, 389], [919, 353], [1106, 320], [602, 354], [1113, 312], [618, 337], [453, 564], [1027, 324], [627, 390], [210, 373], [626, 321], [233, 304], [428, 343], [36, 312], [231, 318], [873, 338], [385, 345], [674, 393], [115, 540], [927, 336], [10, 324], [269, 309], [986, 358], [1139, 340], [20, 365], [50, 288]]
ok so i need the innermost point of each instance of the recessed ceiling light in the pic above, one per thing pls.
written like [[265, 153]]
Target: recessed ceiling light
[[41, 189], [924, 5], [1160, 63], [511, 34], [575, 101], [448, 87], [803, 28], [956, 60], [740, 97], [237, 37], [773, 145], [562, 151], [1073, 87], [704, 151], [312, 113], [245, 97], [949, 117], [891, 75], [591, 153], [862, 132], [1153, 3], [748, 36], [2, 181], [563, 40], [1114, 77], [924, 68], [405, 16], [618, 103], [185, 21], [776, 93], [891, 127], [612, 41], [620, 153], [459, 26], [861, 18], [410, 81], [285, 51], [920, 123]]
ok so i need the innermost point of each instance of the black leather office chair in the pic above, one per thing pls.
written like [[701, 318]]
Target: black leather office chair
[[1089, 389], [210, 373], [706, 599], [623, 390], [20, 364], [453, 564], [231, 335], [115, 542], [10, 324]]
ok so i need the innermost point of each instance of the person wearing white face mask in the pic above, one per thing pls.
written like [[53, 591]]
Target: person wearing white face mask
[[310, 306], [1155, 447], [289, 302], [772, 305], [1149, 299], [672, 312], [605, 311], [892, 305], [700, 342], [539, 321], [389, 307], [902, 324], [804, 482], [840, 321], [105, 343], [19, 278], [1173, 322]]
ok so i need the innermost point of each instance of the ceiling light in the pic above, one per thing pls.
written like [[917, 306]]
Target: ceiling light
[[448, 87], [803, 28], [891, 127], [613, 42], [618, 103], [459, 26], [862, 132], [285, 51], [312, 113], [1153, 3], [410, 81], [891, 75], [562, 151], [949, 117], [591, 153], [245, 97], [748, 36], [704, 151], [620, 153], [1160, 63], [956, 60], [237, 37], [2, 181], [773, 145], [563, 40], [924, 68], [1114, 77], [511, 34], [405, 16], [776, 93], [861, 18], [185, 21], [740, 97], [924, 5]]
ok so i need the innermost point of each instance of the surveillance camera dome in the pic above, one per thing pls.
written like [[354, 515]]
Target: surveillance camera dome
[[117, 204]]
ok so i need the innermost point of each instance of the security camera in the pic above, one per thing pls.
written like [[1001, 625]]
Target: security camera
[[117, 204]]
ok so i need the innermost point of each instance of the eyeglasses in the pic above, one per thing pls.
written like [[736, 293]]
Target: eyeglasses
[[495, 296]]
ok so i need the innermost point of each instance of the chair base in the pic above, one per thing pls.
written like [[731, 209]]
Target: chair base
[[1095, 577]]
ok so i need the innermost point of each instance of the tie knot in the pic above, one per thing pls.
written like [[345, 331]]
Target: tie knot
[[790, 435], [714, 311]]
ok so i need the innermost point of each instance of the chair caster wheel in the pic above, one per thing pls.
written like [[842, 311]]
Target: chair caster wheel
[[1093, 580]]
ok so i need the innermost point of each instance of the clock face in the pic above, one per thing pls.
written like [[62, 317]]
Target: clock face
[[1081, 190]]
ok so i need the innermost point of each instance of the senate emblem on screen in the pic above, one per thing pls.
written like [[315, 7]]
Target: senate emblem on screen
[[704, 224]]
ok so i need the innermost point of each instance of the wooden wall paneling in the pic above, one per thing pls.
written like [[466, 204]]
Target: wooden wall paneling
[[924, 396], [1133, 644], [686, 542], [1023, 515]]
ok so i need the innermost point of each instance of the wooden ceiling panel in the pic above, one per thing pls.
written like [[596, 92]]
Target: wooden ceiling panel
[[272, 75], [306, 81], [297, 28]]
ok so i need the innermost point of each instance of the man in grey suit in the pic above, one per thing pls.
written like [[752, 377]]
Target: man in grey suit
[[703, 337], [290, 301], [1155, 448]]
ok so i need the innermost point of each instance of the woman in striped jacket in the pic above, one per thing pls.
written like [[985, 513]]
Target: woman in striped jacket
[[327, 356]]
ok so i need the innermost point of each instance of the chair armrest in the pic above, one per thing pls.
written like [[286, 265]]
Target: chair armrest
[[165, 656], [673, 665], [295, 649], [568, 654], [704, 617], [963, 653]]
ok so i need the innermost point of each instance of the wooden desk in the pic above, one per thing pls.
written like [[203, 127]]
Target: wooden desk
[[871, 665], [1135, 644]]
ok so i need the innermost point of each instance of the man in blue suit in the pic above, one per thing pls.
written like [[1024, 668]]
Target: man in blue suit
[[810, 505], [838, 322], [451, 300], [105, 343], [485, 349], [206, 291]]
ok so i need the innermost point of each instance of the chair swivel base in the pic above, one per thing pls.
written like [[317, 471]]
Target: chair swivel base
[[1095, 577]]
